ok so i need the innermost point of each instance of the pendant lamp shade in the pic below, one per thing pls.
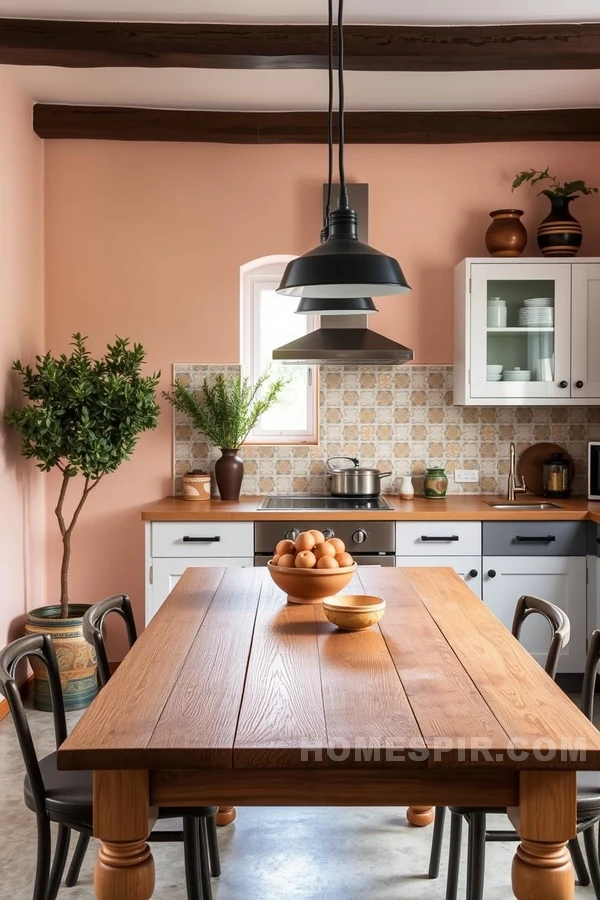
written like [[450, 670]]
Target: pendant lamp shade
[[342, 267], [357, 306]]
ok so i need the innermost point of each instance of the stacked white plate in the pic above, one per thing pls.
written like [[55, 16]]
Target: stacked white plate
[[536, 317], [517, 375], [537, 302]]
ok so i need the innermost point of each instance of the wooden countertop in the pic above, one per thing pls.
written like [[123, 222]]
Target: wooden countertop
[[463, 507]]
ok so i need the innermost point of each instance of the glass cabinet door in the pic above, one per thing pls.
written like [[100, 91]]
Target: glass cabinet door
[[520, 330]]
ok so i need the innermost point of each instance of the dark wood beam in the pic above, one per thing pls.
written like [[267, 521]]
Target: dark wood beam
[[29, 42], [134, 124]]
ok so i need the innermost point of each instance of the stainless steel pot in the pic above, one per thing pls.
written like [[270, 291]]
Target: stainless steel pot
[[355, 480]]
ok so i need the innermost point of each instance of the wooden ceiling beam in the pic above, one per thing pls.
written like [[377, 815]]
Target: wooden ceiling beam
[[135, 124], [30, 42]]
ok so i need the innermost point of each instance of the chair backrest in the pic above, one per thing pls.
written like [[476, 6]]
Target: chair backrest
[[559, 623], [93, 629], [589, 678], [40, 648]]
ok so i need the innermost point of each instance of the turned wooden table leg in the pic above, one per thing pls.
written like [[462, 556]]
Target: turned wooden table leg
[[123, 820], [420, 816], [545, 819], [226, 815]]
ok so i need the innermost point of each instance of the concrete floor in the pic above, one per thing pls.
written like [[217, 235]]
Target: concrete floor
[[267, 854]]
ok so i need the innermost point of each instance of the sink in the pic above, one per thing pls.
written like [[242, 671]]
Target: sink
[[540, 506]]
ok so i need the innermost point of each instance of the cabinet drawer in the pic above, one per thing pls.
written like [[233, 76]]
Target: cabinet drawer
[[534, 538], [438, 538], [203, 539]]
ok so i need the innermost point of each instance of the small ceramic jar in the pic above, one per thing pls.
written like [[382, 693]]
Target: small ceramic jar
[[436, 483], [406, 491], [196, 486]]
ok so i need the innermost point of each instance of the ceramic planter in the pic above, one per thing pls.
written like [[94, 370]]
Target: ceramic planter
[[76, 658], [559, 234]]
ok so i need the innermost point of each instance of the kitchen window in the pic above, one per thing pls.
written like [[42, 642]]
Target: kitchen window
[[269, 320]]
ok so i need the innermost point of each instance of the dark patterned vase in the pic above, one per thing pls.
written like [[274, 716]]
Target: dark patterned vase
[[229, 473], [559, 234]]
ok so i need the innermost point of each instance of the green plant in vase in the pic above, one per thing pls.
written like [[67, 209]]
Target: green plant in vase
[[560, 233], [83, 418], [226, 411]]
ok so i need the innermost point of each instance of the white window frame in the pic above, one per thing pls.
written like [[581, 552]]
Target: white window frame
[[256, 276]]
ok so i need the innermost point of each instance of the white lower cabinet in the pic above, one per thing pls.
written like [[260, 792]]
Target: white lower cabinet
[[559, 579], [166, 572], [468, 567]]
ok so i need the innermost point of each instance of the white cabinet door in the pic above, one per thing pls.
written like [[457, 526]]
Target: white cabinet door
[[585, 358], [167, 572], [468, 567], [559, 579], [530, 340]]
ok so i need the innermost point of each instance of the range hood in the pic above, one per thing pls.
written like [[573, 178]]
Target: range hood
[[346, 339]]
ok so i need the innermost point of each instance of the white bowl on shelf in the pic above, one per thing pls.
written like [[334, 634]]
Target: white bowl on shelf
[[494, 370], [494, 377]]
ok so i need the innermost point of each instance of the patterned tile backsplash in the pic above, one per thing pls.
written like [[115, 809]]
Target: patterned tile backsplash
[[394, 418]]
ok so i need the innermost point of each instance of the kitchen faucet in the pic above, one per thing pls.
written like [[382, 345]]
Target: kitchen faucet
[[513, 487]]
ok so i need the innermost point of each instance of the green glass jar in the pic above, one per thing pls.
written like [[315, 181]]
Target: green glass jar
[[436, 483]]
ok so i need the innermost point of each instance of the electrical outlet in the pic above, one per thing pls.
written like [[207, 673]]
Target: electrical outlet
[[466, 476]]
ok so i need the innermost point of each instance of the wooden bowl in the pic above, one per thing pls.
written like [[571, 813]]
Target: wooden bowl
[[354, 612], [311, 585]]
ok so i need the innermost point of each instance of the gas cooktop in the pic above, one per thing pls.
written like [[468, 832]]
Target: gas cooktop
[[332, 503]]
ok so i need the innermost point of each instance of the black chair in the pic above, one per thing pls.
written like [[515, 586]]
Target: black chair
[[476, 818], [199, 826]]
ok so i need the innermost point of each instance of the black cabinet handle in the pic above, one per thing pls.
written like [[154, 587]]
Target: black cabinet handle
[[190, 539], [473, 573], [541, 539], [579, 384], [492, 573], [435, 537], [563, 384]]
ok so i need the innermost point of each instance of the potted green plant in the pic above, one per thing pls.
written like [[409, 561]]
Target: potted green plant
[[84, 418], [559, 234], [226, 411]]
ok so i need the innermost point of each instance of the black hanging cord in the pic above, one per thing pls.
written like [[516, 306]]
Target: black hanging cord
[[343, 198], [329, 120]]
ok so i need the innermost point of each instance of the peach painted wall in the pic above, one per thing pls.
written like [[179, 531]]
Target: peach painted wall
[[22, 581], [146, 240]]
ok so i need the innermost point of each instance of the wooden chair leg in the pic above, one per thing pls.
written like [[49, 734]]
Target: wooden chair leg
[[476, 856], [456, 823], [191, 857], [583, 878], [213, 847], [78, 856], [44, 850], [591, 852], [59, 862], [436, 843], [204, 859]]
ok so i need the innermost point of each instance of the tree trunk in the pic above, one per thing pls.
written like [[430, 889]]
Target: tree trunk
[[64, 576]]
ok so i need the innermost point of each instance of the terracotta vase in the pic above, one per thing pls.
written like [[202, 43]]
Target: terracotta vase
[[559, 234], [76, 658], [229, 472], [506, 236]]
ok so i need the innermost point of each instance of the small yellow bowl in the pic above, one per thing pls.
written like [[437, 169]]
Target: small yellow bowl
[[354, 612]]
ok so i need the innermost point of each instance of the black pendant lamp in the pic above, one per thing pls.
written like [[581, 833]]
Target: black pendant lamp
[[341, 267]]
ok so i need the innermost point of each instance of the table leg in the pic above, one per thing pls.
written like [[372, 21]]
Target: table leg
[[420, 815], [123, 820], [226, 815], [546, 820]]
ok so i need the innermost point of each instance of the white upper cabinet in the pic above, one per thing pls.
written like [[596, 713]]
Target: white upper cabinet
[[526, 332]]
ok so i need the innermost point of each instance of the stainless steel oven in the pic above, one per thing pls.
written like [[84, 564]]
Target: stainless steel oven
[[370, 543]]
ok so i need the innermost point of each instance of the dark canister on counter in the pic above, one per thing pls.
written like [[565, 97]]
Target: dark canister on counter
[[557, 476]]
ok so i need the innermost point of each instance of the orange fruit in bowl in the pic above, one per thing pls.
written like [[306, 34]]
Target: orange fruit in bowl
[[305, 559], [324, 549], [304, 541], [344, 560], [287, 561], [275, 559], [284, 547], [338, 544], [327, 562], [318, 535]]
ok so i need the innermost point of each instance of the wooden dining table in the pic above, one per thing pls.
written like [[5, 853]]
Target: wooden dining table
[[233, 696]]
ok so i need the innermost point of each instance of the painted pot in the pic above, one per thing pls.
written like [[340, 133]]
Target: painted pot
[[506, 236], [559, 234], [436, 484], [229, 473], [76, 658]]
